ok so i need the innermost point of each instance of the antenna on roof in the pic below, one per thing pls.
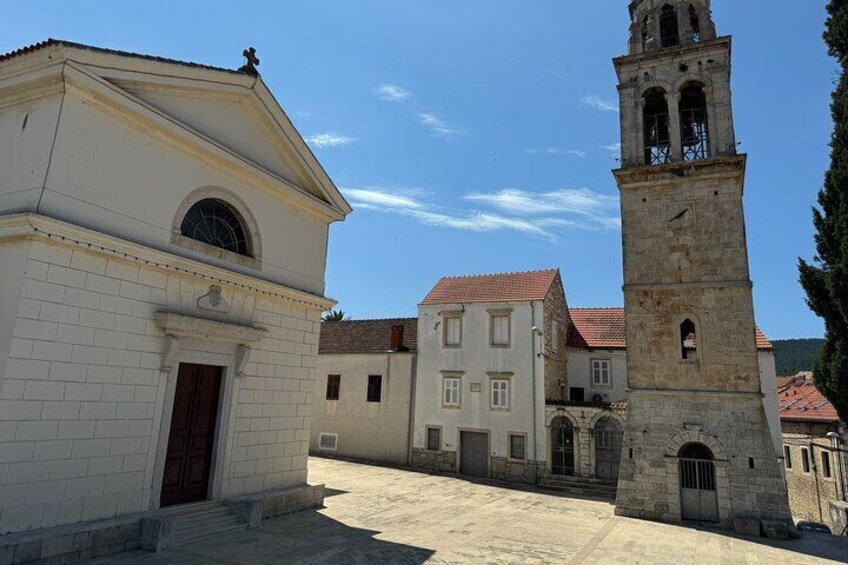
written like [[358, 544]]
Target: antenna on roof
[[252, 61]]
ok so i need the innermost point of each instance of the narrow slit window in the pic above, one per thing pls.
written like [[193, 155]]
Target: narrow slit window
[[333, 386], [657, 138], [688, 341], [805, 459], [787, 456], [825, 457], [375, 388]]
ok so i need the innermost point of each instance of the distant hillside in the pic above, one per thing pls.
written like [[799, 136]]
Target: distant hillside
[[793, 355]]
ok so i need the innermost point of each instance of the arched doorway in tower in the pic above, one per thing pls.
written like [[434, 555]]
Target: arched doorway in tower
[[608, 439], [698, 494], [562, 447]]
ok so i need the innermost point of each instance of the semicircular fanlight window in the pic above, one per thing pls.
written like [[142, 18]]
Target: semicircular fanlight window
[[213, 222]]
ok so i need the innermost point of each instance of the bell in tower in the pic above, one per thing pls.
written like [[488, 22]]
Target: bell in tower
[[702, 439]]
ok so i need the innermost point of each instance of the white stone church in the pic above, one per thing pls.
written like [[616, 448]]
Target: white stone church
[[163, 237]]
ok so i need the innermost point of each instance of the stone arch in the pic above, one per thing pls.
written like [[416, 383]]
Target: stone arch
[[605, 414], [652, 84], [236, 205], [678, 441], [553, 416]]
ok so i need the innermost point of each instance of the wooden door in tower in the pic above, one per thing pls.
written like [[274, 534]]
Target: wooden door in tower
[[192, 436]]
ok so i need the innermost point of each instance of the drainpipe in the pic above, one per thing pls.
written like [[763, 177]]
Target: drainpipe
[[533, 334]]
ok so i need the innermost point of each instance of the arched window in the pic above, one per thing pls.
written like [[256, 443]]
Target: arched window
[[695, 24], [214, 222], [669, 28], [655, 118], [688, 340], [697, 451], [694, 130]]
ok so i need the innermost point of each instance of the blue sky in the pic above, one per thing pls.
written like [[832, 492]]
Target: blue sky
[[478, 136]]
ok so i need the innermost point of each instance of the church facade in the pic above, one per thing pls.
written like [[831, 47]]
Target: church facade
[[163, 236], [697, 444]]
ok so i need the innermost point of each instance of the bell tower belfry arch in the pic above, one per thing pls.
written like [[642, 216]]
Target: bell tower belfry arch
[[693, 370]]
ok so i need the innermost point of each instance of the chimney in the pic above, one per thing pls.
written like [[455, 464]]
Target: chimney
[[396, 343]]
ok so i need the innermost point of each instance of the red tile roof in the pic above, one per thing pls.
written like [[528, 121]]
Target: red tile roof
[[62, 43], [603, 328], [597, 328], [365, 336], [801, 401], [502, 287]]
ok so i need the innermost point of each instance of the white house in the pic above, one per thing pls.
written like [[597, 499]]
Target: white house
[[486, 347], [364, 390], [163, 235]]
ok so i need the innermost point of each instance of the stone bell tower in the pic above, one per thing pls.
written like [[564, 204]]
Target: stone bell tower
[[697, 444]]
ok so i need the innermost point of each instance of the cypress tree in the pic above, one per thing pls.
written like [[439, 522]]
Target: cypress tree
[[826, 280]]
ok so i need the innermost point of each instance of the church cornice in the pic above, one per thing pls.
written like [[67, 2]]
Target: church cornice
[[672, 173], [58, 232], [670, 53]]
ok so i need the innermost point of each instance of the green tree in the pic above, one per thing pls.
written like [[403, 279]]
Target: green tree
[[826, 279], [336, 316]]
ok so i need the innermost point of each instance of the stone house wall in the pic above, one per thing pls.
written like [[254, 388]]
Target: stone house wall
[[811, 491], [555, 312]]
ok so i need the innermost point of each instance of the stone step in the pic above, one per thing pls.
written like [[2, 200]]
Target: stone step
[[195, 521], [582, 486]]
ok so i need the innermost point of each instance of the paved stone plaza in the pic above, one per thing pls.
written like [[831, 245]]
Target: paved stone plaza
[[380, 515]]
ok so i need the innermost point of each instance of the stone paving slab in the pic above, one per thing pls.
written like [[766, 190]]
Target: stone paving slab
[[382, 515]]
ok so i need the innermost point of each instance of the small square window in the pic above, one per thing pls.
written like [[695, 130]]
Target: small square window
[[375, 388], [825, 457], [333, 385], [805, 459], [500, 394], [601, 372], [434, 439], [787, 456], [451, 392], [517, 447], [328, 442], [453, 331], [500, 330]]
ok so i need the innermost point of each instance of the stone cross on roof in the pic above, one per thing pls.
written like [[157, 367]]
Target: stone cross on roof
[[252, 61]]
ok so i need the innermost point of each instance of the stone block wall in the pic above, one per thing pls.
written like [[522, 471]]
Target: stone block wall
[[434, 461], [750, 482], [529, 472], [810, 492], [555, 311], [82, 397]]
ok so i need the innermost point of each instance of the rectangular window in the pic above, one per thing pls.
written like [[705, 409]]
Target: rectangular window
[[328, 442], [805, 459], [517, 447], [453, 331], [600, 372], [500, 330], [375, 388], [787, 457], [825, 456], [500, 394], [434, 439], [333, 384], [450, 394], [555, 337]]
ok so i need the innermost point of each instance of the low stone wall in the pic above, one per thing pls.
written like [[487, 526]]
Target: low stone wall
[[71, 543], [253, 509], [529, 472], [434, 461]]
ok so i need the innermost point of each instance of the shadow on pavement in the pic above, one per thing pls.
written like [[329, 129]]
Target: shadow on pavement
[[303, 537]]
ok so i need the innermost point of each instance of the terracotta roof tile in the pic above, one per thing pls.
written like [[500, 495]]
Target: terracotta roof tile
[[365, 336], [603, 328], [801, 401], [502, 287], [62, 43]]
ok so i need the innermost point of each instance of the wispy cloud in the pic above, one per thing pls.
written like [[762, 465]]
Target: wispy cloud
[[592, 209], [599, 103], [535, 214], [613, 148], [391, 93], [555, 151], [438, 126], [330, 139]]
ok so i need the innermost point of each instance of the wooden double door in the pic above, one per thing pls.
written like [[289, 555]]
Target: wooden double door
[[192, 437], [474, 454]]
